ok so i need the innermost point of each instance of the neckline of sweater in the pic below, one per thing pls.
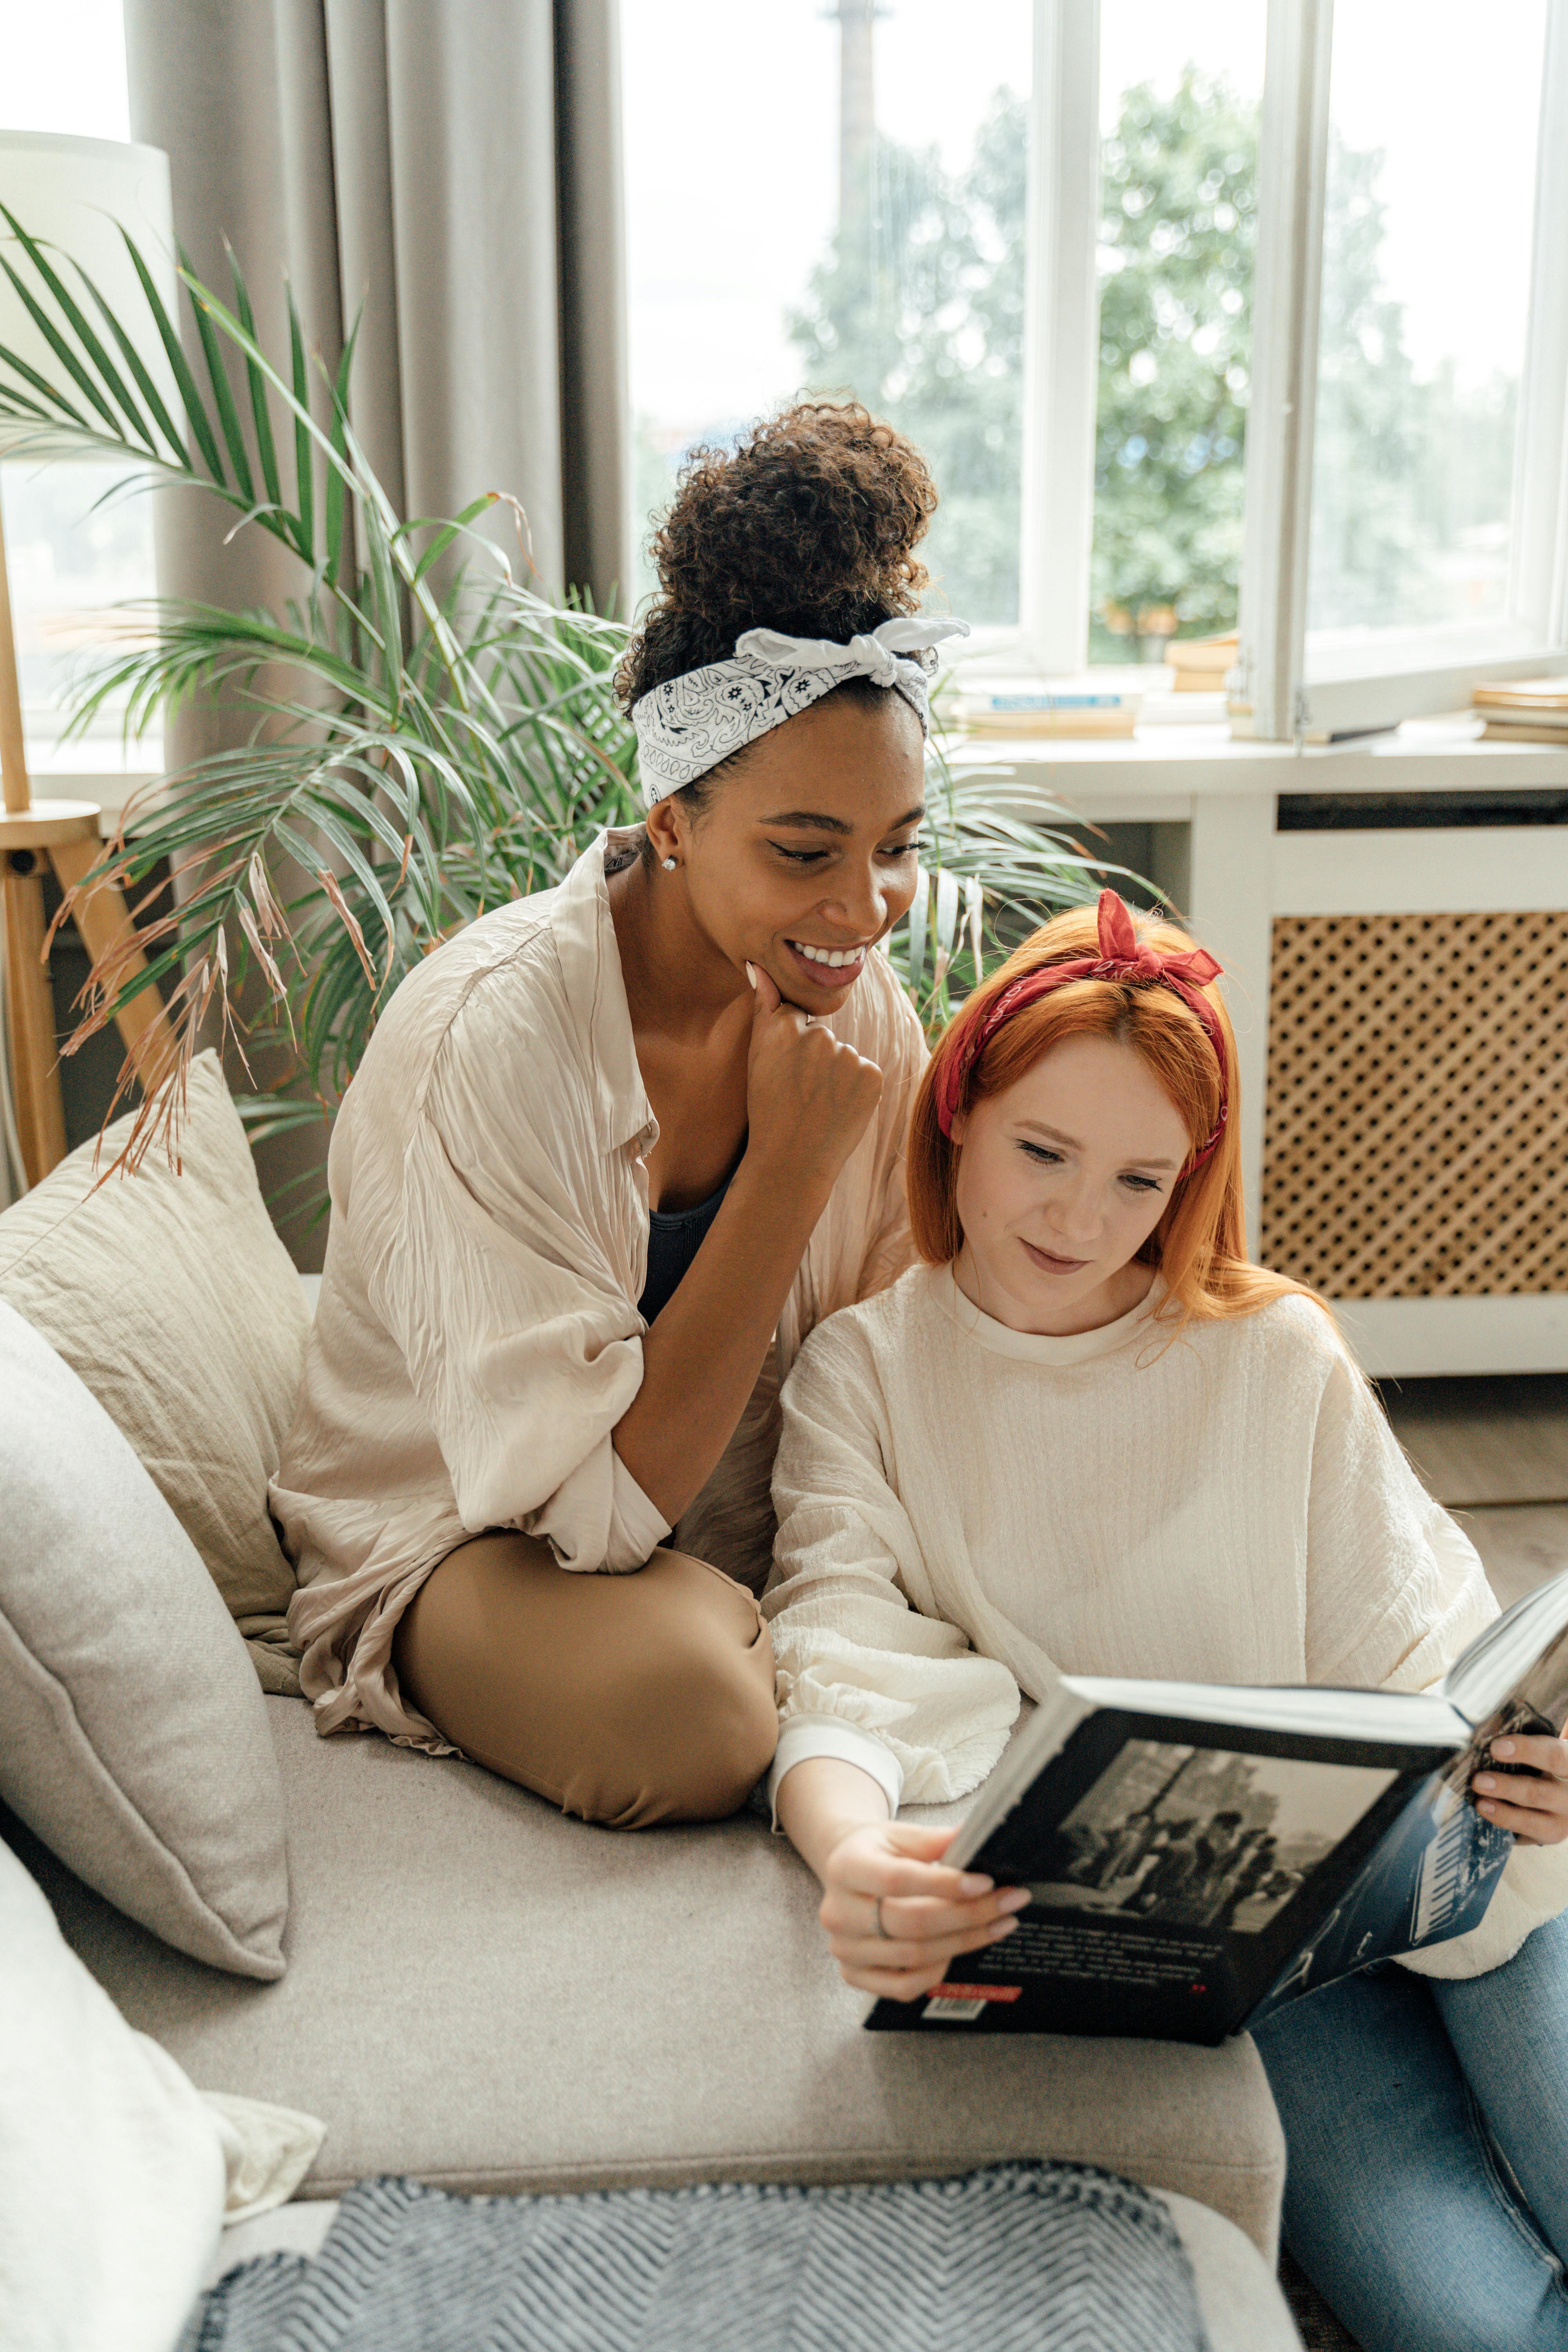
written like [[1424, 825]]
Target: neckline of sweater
[[1040, 1347]]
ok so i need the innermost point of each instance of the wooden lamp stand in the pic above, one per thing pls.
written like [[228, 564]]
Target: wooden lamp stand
[[65, 835]]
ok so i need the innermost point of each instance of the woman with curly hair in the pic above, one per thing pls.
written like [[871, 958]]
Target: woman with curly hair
[[613, 1152]]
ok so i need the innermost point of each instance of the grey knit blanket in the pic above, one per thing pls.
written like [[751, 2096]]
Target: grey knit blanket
[[1020, 2258]]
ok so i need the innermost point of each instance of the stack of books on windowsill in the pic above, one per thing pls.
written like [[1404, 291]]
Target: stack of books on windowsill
[[999, 708], [1199, 664], [1523, 711]]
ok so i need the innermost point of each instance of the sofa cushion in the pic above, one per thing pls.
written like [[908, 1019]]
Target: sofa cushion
[[488, 1996], [171, 1295], [133, 1738]]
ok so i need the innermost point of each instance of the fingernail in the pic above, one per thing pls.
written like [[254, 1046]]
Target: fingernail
[[1486, 1781], [752, 974], [1005, 1930], [1502, 1748], [1487, 1809], [1016, 1899], [973, 1883]]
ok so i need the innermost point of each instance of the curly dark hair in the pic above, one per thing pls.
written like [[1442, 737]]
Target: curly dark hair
[[809, 526]]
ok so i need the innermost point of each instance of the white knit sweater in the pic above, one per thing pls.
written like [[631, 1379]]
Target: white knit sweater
[[966, 1510]]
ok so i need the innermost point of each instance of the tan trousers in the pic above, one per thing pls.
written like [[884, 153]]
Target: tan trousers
[[626, 1699]]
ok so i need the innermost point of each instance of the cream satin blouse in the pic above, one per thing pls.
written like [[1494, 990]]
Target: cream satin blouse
[[477, 1336]]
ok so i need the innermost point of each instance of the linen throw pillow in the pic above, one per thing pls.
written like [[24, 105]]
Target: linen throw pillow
[[133, 1738], [170, 1296]]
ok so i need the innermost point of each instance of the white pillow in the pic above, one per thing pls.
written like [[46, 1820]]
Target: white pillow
[[134, 1734], [112, 2167], [115, 2174]]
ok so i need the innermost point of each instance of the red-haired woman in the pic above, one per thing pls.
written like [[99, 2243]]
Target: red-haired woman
[[1086, 1434]]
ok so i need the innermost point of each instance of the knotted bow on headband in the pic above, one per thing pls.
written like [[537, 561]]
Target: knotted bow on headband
[[1123, 957], [690, 723], [873, 656]]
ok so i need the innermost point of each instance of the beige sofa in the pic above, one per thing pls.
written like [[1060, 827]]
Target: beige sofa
[[491, 1998]]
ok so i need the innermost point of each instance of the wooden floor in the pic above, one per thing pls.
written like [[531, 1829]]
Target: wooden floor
[[1496, 1452], [1486, 1441]]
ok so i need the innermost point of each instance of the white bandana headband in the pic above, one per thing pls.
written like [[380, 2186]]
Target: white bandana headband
[[688, 724]]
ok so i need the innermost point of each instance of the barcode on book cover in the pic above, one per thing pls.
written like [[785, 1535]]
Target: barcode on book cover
[[961, 2004]]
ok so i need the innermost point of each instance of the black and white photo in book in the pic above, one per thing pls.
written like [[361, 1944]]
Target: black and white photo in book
[[1202, 1837]]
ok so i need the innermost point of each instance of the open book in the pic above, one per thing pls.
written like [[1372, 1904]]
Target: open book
[[1199, 1854]]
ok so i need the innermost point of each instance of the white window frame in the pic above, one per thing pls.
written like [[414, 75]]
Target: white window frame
[[1296, 684], [1061, 344], [1340, 682], [1061, 353], [1327, 682]]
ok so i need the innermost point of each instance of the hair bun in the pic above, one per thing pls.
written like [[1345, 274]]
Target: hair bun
[[809, 526]]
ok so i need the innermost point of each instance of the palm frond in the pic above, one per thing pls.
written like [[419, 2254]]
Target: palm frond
[[429, 735]]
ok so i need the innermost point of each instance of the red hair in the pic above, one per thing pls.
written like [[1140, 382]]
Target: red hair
[[1200, 1244]]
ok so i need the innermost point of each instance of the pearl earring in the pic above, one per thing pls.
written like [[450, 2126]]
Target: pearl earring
[[670, 864]]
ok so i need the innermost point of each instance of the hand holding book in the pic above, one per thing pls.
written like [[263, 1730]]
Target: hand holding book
[[901, 1942], [1536, 1810], [895, 1914]]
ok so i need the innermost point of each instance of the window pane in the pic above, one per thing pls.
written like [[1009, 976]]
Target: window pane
[[64, 71], [1179, 97], [859, 175], [65, 67], [76, 547], [1426, 254]]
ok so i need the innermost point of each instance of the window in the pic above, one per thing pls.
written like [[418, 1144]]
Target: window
[[1253, 308], [1423, 321], [75, 547], [860, 173], [1179, 92], [913, 218], [1410, 361]]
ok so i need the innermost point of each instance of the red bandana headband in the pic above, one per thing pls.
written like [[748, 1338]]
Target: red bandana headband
[[1123, 957]]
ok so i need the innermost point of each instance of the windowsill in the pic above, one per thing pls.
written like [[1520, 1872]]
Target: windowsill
[[1164, 762], [113, 788], [1187, 758]]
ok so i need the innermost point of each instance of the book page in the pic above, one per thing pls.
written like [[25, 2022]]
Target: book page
[[1519, 1663], [1186, 1836]]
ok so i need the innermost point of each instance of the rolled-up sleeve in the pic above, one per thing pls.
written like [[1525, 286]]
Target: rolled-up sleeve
[[522, 1346]]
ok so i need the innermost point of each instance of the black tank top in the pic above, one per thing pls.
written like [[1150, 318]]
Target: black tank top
[[673, 1240]]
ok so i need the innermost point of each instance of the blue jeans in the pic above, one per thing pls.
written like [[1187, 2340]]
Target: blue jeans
[[1426, 2136]]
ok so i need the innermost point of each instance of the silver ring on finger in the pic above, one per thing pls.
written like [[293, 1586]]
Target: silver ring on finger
[[877, 1921]]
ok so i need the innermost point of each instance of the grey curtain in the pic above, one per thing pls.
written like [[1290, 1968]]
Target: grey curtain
[[453, 167]]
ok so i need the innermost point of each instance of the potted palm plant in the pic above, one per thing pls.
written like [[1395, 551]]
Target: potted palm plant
[[428, 736]]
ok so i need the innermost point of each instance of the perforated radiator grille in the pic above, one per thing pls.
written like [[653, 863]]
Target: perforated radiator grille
[[1416, 1129]]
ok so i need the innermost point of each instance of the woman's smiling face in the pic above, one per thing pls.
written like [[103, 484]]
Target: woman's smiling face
[[803, 857], [1060, 1181]]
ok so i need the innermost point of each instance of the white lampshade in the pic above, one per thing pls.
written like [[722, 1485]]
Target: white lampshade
[[74, 195]]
